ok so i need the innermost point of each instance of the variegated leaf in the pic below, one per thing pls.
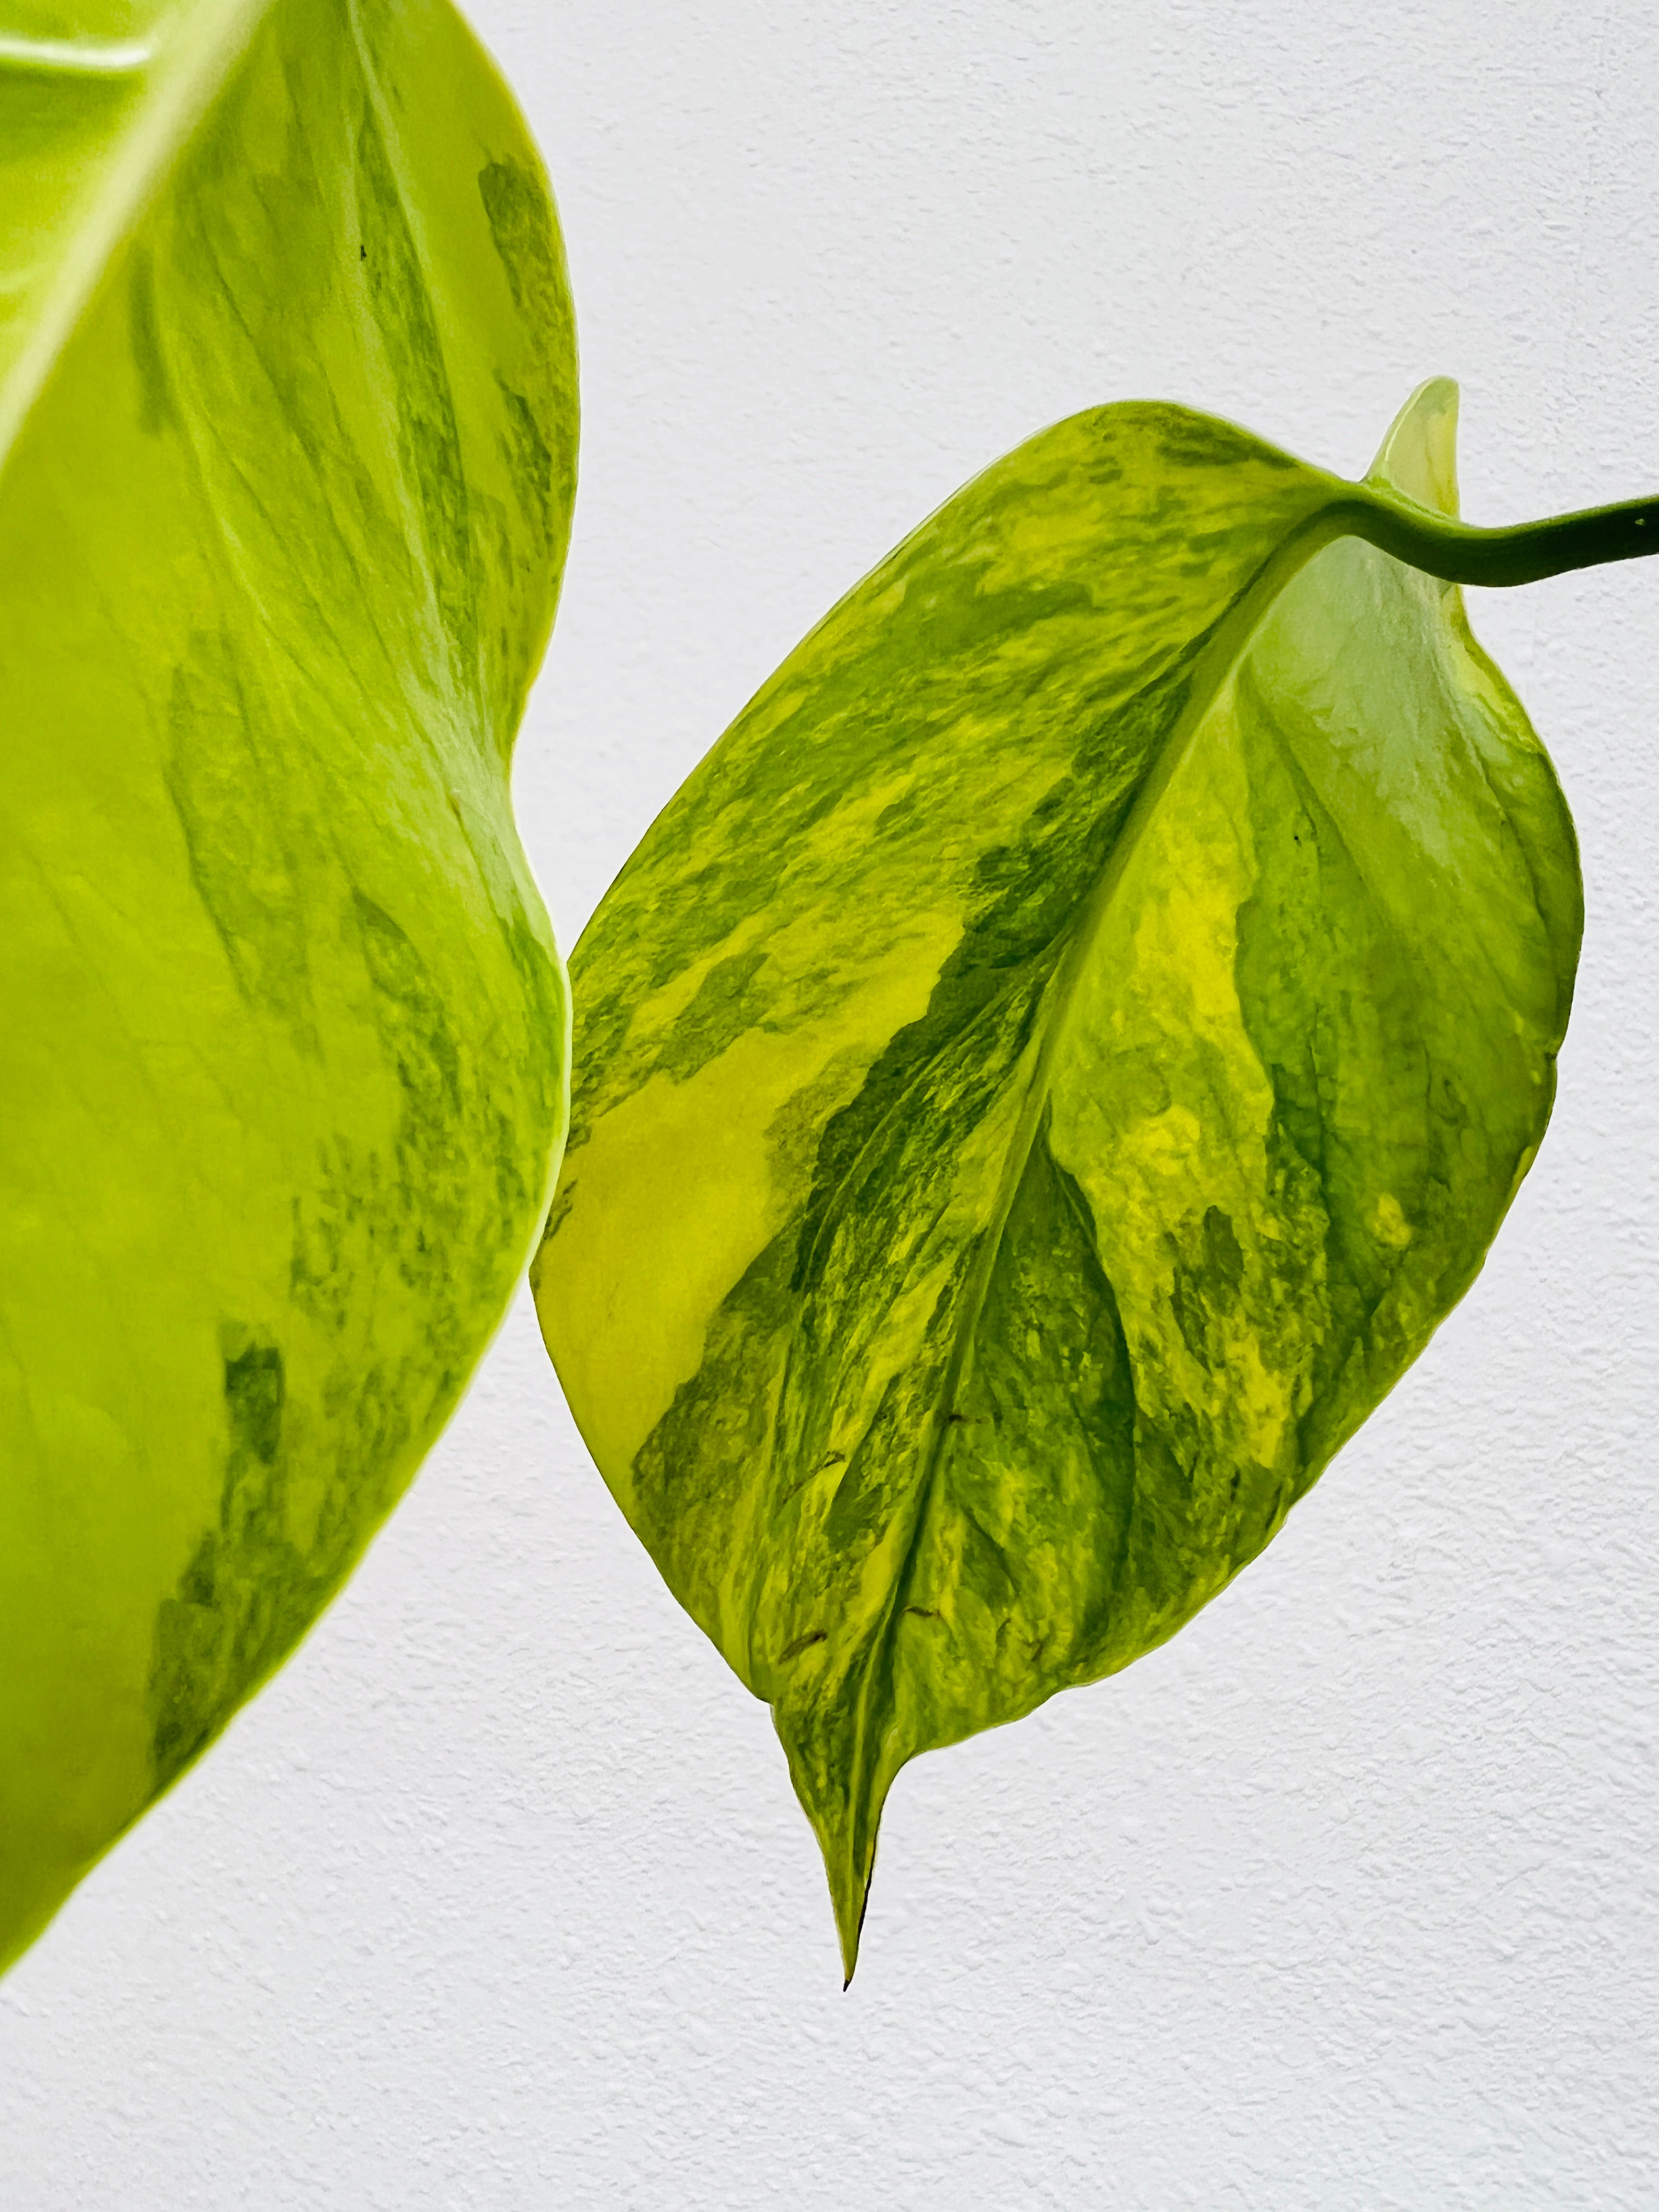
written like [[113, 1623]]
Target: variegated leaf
[[1050, 1070], [288, 426]]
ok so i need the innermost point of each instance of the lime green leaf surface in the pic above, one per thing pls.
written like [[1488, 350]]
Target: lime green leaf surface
[[1047, 1075], [286, 457]]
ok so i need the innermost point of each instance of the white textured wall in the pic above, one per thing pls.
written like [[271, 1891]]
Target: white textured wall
[[1347, 1900]]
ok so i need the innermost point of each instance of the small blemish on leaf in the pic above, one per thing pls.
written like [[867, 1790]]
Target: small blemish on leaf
[[1389, 1224], [803, 1643]]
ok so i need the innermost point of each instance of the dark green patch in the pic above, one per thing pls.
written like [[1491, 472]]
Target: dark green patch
[[250, 1590], [729, 1002], [410, 1015], [1224, 1261], [157, 411], [530, 461], [543, 443]]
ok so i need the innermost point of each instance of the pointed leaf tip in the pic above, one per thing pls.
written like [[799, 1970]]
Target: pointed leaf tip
[[851, 1901], [843, 1769]]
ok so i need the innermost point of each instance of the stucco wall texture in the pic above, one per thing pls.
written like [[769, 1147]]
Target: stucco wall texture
[[1347, 1899]]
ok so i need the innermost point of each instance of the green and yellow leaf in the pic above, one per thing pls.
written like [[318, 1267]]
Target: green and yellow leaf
[[1050, 1071], [287, 456]]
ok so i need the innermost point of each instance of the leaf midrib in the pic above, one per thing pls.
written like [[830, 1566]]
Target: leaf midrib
[[1228, 641]]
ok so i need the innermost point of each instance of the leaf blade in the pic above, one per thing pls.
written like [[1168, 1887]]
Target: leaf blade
[[899, 1526], [281, 522]]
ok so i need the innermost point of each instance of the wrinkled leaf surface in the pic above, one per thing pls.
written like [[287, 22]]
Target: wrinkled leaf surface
[[1050, 1070], [286, 454]]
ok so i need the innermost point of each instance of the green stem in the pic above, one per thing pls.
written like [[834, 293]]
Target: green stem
[[1459, 553]]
